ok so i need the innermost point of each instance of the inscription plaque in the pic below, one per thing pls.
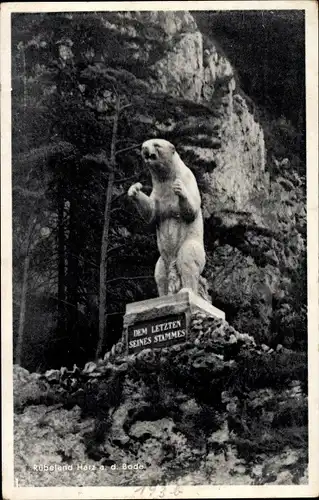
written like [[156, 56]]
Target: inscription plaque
[[160, 332]]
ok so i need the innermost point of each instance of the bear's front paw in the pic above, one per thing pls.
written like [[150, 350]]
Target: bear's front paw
[[179, 188], [134, 190]]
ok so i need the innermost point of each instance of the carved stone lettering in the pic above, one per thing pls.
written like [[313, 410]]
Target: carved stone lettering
[[161, 332]]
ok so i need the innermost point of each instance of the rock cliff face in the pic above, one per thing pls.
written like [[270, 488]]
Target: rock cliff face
[[224, 407], [214, 410], [254, 205], [255, 223], [188, 66]]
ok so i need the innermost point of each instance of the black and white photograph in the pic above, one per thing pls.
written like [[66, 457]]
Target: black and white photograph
[[159, 249]]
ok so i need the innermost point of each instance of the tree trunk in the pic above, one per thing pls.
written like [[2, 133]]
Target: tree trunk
[[24, 81], [26, 264], [105, 238], [73, 276], [23, 297], [61, 267], [103, 266]]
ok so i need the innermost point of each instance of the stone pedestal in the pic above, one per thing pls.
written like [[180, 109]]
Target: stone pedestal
[[163, 321]]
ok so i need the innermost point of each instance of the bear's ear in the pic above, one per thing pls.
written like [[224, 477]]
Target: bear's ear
[[172, 148]]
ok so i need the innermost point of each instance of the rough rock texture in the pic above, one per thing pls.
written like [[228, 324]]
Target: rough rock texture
[[254, 205], [190, 67], [217, 409]]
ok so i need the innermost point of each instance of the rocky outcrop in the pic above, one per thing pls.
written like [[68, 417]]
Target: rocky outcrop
[[186, 90], [253, 204], [191, 67], [217, 409]]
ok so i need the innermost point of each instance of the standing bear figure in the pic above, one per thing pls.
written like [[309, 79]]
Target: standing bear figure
[[175, 205]]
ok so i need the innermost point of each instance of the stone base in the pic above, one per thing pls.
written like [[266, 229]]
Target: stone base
[[164, 321], [184, 301]]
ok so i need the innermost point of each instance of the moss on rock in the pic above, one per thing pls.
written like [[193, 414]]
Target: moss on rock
[[174, 411]]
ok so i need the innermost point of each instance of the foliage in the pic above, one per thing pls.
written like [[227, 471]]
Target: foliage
[[188, 400], [66, 72], [66, 89]]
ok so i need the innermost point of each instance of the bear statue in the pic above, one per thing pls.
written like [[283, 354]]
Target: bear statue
[[175, 205]]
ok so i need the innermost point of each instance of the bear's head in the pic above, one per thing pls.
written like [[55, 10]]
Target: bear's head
[[158, 155]]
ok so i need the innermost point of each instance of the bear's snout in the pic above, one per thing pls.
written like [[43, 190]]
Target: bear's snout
[[148, 155]]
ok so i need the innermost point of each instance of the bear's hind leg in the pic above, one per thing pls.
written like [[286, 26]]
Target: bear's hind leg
[[161, 277], [190, 264]]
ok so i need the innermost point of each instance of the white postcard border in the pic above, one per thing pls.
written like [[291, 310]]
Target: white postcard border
[[206, 491]]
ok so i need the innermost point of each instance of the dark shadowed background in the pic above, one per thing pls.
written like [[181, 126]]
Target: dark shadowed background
[[223, 87]]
